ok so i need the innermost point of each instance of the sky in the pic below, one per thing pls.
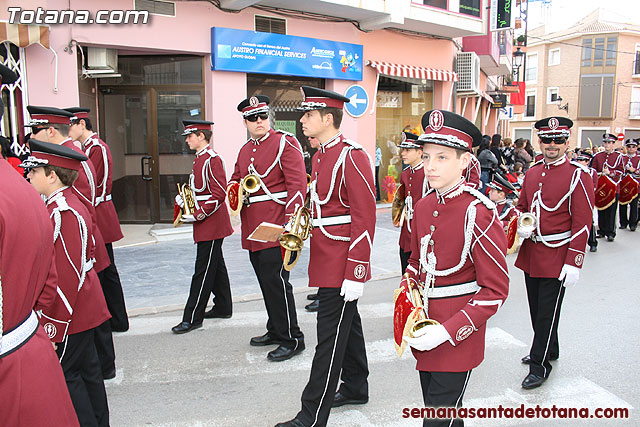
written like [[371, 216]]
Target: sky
[[564, 13]]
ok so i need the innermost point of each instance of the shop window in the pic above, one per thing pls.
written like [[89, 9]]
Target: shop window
[[524, 133], [593, 136], [267, 24], [440, 4], [157, 70], [156, 7]]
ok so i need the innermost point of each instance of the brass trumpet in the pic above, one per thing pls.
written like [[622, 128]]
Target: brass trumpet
[[189, 203], [250, 183], [293, 241], [527, 222], [417, 329]]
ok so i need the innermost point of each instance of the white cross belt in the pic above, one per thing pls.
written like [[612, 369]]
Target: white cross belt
[[266, 197], [453, 290], [19, 335], [551, 237], [332, 220]]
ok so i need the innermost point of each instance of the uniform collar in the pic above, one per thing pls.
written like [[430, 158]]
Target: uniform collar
[[558, 162], [261, 139], [86, 141], [201, 152], [418, 166], [331, 142], [56, 195], [454, 191], [501, 202]]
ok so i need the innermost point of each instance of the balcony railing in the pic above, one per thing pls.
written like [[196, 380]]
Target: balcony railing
[[636, 65], [634, 109]]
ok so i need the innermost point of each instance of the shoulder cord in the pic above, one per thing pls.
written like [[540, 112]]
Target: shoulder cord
[[316, 203], [84, 235], [408, 205], [537, 204], [105, 161], [253, 170], [91, 180]]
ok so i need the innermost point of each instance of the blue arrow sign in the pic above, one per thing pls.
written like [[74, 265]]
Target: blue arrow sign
[[359, 100]]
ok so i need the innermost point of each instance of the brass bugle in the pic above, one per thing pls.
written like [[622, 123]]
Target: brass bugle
[[251, 183], [527, 222]]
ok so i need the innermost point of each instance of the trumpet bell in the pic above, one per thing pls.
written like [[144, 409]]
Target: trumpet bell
[[527, 222], [251, 183], [417, 330], [291, 242]]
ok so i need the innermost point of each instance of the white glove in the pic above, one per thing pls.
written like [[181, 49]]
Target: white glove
[[351, 290], [570, 274], [433, 336], [179, 201], [524, 234], [188, 218]]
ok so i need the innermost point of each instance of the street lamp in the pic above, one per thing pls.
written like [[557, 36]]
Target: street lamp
[[518, 56], [564, 107]]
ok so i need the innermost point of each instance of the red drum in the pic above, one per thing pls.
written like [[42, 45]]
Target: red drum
[[605, 192], [628, 190]]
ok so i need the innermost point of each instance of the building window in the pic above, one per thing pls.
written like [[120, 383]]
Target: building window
[[554, 57], [552, 95], [530, 106], [531, 72], [636, 63], [634, 108], [524, 133], [267, 24], [586, 52], [612, 46], [470, 7], [440, 4], [596, 95], [599, 52]]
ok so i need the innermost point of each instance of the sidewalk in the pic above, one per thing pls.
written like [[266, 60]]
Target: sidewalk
[[156, 263]]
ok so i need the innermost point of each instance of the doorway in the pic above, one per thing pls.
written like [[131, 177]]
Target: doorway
[[141, 119]]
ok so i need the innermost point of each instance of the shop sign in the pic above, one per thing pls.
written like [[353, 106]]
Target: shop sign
[[389, 99], [268, 53], [286, 125]]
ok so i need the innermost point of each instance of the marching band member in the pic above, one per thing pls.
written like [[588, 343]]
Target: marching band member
[[610, 163], [99, 153], [211, 225], [32, 384], [631, 160], [52, 125], [80, 306], [471, 174], [458, 248], [584, 158], [559, 194], [412, 179], [499, 189], [275, 158], [343, 203]]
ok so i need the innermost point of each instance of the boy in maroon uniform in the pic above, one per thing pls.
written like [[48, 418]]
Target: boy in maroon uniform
[[411, 179], [79, 306], [629, 212], [584, 158], [458, 249], [611, 163], [499, 189], [211, 225]]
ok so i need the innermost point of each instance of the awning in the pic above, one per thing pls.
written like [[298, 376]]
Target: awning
[[413, 71], [24, 35]]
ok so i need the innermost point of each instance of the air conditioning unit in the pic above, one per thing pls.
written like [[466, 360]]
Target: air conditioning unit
[[100, 58], [468, 70]]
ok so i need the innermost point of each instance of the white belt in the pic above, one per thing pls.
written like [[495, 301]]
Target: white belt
[[332, 220], [453, 290], [89, 265], [19, 335], [101, 199], [204, 197], [265, 197], [551, 237]]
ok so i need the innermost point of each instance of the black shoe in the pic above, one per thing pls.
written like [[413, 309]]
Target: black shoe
[[291, 423], [599, 235], [212, 314], [185, 327], [610, 238], [527, 360], [622, 227], [283, 353], [312, 297], [263, 340], [109, 375], [313, 307], [632, 228], [593, 249], [532, 381], [340, 399]]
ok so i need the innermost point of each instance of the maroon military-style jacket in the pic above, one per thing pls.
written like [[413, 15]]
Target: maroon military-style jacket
[[633, 162], [471, 175], [32, 385], [100, 155], [458, 249], [614, 161], [594, 176], [85, 190], [80, 303], [277, 160], [343, 205], [412, 179], [561, 197], [208, 184], [506, 212]]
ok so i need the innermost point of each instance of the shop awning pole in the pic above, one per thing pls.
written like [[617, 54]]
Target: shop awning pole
[[450, 97], [475, 115], [486, 118], [464, 106], [374, 101]]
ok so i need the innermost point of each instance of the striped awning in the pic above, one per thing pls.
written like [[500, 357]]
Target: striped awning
[[24, 35], [413, 71]]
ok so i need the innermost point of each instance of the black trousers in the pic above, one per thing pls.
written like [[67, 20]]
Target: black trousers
[[340, 348], [443, 389], [607, 220], [632, 219], [282, 323], [210, 277], [83, 375], [377, 183], [545, 301], [103, 341], [112, 289], [404, 260], [593, 242]]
